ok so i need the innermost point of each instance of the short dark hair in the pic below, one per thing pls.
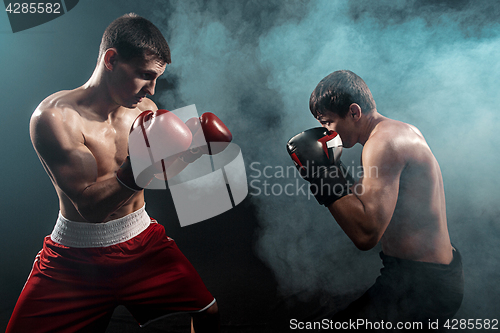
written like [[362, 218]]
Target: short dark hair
[[337, 91], [134, 37]]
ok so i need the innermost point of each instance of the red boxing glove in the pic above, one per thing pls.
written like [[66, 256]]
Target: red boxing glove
[[210, 136], [160, 136]]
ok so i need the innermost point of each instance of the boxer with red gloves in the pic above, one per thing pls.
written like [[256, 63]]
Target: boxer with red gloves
[[105, 250]]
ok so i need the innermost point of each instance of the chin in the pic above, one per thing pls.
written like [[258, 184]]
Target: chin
[[126, 104], [130, 105], [347, 145]]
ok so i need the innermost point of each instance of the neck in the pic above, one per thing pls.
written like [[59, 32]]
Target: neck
[[96, 96], [371, 120]]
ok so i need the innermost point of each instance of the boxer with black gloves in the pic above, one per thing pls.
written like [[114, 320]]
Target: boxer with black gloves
[[401, 204], [105, 250]]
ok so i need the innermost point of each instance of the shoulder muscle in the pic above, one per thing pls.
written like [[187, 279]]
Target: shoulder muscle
[[53, 128], [58, 140], [384, 153], [147, 104]]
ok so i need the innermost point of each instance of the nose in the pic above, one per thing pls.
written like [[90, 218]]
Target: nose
[[150, 87]]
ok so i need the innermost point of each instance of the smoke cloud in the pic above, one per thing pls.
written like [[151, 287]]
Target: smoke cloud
[[429, 63]]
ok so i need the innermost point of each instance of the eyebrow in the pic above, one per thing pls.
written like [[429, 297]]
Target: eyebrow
[[151, 72]]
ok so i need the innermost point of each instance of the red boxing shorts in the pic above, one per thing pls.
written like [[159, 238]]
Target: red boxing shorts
[[128, 261]]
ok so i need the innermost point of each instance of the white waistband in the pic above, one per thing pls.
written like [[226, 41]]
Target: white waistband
[[82, 234]]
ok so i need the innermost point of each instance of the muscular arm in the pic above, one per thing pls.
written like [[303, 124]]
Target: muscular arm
[[58, 140], [365, 214]]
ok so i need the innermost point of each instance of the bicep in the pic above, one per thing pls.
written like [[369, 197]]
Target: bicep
[[60, 146]]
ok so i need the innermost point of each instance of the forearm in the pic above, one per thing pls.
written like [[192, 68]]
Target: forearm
[[101, 199]]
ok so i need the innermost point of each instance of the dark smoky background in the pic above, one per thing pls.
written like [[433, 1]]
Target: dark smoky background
[[433, 64]]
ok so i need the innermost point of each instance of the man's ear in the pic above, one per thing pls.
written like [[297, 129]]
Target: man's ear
[[354, 111], [110, 58]]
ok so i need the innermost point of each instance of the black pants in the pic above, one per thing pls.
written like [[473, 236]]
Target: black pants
[[410, 291]]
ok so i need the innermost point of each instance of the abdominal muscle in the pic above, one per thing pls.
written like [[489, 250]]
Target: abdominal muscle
[[69, 211]]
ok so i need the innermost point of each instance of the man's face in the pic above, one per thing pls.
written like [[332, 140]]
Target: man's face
[[343, 126], [134, 79]]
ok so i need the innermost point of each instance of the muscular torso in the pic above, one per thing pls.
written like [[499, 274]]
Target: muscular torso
[[418, 227], [105, 139]]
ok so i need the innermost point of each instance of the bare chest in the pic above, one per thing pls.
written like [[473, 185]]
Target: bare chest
[[108, 143]]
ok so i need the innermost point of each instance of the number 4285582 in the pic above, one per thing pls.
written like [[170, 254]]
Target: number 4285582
[[33, 8], [471, 324]]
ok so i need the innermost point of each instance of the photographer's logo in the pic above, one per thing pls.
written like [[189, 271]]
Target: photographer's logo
[[210, 185], [26, 15]]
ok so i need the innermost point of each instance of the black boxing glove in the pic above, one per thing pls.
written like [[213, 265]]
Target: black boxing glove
[[316, 154]]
